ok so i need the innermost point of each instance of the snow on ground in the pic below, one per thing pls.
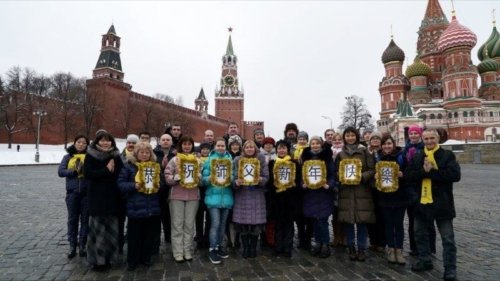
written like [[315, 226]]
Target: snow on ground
[[49, 154]]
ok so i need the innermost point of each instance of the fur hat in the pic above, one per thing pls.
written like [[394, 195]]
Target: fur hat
[[291, 126], [233, 139], [132, 138], [376, 134], [303, 134], [268, 140], [416, 129]]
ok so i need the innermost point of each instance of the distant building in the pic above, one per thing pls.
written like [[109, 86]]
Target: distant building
[[440, 88], [113, 106]]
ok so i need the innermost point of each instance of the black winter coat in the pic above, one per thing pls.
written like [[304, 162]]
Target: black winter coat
[[139, 205], [103, 193], [402, 196], [285, 205], [448, 172], [73, 182]]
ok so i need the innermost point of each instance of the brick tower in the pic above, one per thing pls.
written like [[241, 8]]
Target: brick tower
[[229, 100]]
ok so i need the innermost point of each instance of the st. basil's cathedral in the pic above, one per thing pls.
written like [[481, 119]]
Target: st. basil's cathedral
[[440, 89]]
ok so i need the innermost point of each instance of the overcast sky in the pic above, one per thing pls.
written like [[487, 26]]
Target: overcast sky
[[297, 59]]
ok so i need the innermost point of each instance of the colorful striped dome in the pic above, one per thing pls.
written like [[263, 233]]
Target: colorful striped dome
[[492, 45], [488, 64], [456, 35], [393, 53], [418, 68]]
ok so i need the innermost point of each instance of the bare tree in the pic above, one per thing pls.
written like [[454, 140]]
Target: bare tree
[[164, 97], [91, 106], [356, 114], [66, 89], [13, 104]]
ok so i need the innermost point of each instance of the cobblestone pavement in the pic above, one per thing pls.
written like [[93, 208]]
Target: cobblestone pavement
[[33, 240]]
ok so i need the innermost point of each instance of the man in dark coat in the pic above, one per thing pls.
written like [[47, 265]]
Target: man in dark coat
[[434, 170]]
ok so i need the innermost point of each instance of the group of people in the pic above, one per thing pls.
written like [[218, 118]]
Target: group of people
[[248, 190]]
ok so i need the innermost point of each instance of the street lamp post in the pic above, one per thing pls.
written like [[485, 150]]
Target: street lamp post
[[39, 113], [329, 118]]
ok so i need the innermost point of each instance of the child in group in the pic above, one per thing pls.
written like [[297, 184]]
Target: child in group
[[249, 213], [393, 204], [283, 205], [184, 197], [355, 203], [318, 200], [71, 168], [217, 177], [139, 180]]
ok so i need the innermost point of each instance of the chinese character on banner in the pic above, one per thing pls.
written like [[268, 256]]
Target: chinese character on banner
[[189, 173], [314, 173], [350, 171], [148, 177], [284, 173], [386, 176], [249, 170], [221, 172]]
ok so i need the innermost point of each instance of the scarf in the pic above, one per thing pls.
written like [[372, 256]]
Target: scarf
[[426, 197], [298, 151]]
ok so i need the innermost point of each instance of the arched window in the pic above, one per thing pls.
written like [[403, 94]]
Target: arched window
[[491, 113], [440, 116], [465, 114], [433, 116], [450, 115], [455, 114], [471, 114]]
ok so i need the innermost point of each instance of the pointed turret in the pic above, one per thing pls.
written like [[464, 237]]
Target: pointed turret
[[201, 102], [229, 49], [109, 63]]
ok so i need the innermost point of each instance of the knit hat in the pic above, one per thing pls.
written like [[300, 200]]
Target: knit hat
[[233, 139], [416, 129], [376, 134], [303, 134], [268, 140], [132, 138], [258, 131], [291, 126]]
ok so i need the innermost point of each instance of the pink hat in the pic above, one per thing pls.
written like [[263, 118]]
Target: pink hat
[[416, 129]]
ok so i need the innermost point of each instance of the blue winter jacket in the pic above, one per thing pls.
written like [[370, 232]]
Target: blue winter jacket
[[217, 196], [73, 182], [139, 205]]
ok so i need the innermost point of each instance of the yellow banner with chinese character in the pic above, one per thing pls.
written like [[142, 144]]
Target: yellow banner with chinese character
[[148, 177]]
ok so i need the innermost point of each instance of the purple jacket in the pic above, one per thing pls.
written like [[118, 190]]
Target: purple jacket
[[249, 201]]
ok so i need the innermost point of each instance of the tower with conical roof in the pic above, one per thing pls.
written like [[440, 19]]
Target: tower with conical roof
[[201, 103], [109, 63], [432, 26], [418, 73], [229, 99]]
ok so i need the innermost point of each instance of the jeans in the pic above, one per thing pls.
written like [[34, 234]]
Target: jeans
[[362, 235], [393, 225], [218, 218], [445, 228], [321, 231]]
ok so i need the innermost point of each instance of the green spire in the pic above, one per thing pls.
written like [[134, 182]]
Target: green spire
[[112, 29], [201, 96], [404, 109], [229, 49]]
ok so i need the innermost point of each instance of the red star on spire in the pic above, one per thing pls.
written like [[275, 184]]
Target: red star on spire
[[230, 29]]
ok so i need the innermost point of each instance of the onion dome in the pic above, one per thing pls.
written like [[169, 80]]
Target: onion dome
[[492, 45], [418, 68], [393, 53], [488, 64], [456, 35]]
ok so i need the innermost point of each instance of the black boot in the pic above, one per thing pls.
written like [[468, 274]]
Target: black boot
[[253, 246], [245, 240], [82, 251], [352, 253], [325, 251], [72, 252], [315, 250]]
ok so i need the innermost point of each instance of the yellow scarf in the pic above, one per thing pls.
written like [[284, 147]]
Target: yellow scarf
[[426, 197], [298, 151], [186, 156], [76, 163]]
